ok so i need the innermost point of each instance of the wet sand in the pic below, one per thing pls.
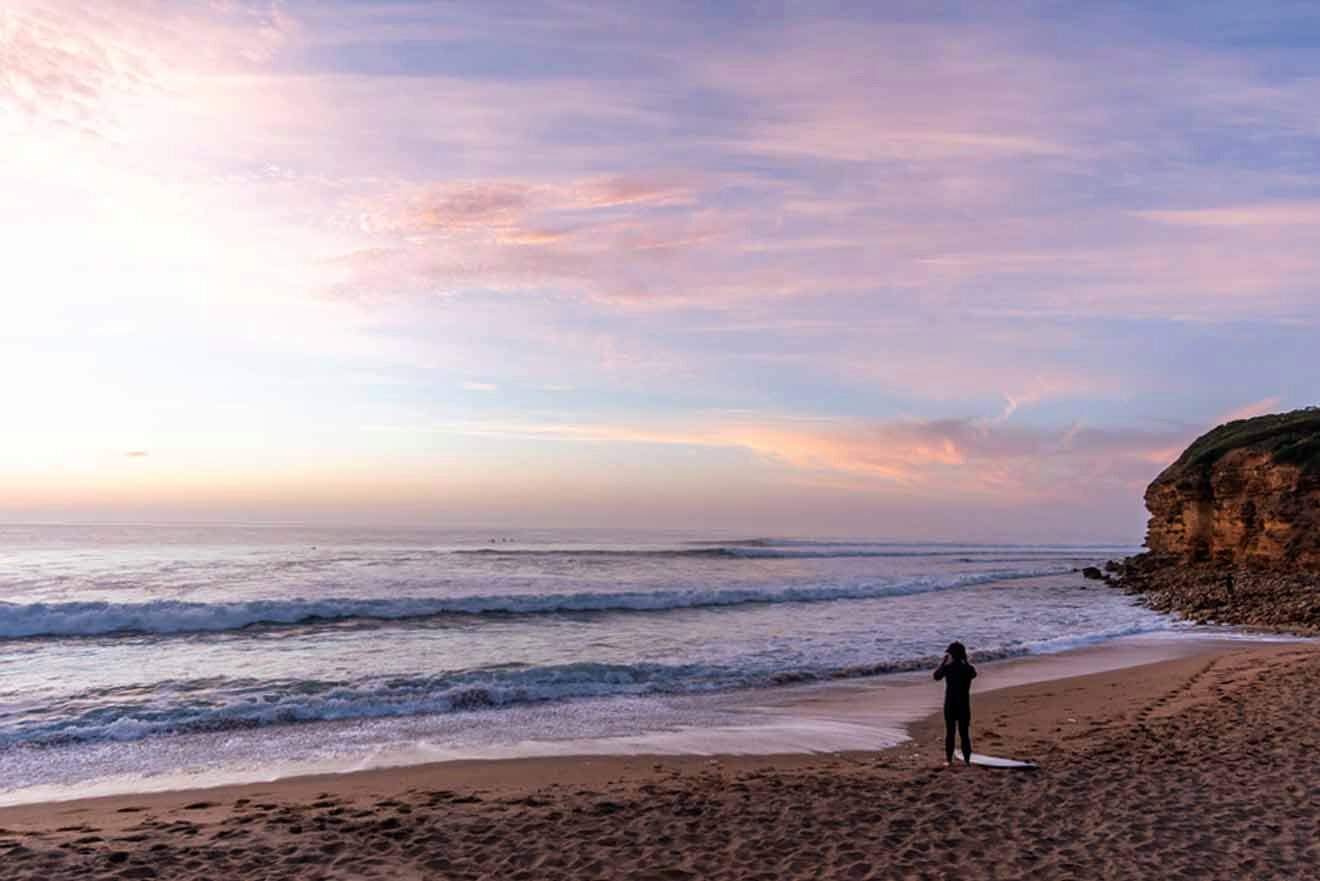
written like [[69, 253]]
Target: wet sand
[[1201, 767]]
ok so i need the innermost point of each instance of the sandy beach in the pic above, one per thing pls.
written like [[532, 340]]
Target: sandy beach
[[1201, 767]]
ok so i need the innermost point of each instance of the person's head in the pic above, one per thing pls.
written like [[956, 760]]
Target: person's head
[[957, 651]]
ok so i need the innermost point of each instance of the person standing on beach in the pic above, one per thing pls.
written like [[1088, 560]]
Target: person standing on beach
[[957, 673]]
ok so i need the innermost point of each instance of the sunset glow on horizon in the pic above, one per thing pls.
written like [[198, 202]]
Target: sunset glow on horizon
[[977, 273]]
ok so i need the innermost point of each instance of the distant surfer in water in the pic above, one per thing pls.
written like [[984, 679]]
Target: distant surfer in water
[[957, 674]]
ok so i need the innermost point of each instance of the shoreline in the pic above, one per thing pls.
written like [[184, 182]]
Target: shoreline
[[886, 710], [1138, 766]]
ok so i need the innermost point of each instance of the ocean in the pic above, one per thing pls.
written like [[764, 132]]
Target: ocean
[[140, 652]]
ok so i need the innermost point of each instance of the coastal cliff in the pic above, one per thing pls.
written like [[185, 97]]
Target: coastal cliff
[[1234, 531], [1246, 494]]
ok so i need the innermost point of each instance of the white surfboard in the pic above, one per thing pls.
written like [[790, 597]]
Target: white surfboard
[[997, 762]]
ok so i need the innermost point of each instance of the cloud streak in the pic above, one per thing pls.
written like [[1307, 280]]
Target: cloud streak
[[74, 65], [945, 457]]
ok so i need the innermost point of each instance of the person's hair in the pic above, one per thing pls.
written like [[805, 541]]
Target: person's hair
[[957, 651]]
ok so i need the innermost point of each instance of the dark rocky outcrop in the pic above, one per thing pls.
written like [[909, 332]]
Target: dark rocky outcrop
[[1206, 592], [1234, 532]]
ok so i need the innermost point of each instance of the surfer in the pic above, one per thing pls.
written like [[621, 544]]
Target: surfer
[[957, 673]]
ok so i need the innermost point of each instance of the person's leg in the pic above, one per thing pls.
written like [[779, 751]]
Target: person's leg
[[949, 721], [964, 734]]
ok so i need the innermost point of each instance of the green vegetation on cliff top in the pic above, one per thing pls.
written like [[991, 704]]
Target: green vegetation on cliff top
[[1291, 438]]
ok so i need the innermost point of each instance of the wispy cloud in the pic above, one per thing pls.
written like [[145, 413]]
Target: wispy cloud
[[77, 65], [1269, 214], [943, 457], [1255, 408]]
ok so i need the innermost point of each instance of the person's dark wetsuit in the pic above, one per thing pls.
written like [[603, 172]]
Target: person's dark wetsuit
[[957, 675]]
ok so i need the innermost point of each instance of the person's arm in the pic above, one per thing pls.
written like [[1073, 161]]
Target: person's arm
[[942, 668], [971, 672]]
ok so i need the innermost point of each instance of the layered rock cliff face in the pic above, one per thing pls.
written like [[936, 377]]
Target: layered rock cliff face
[[1244, 509], [1234, 532]]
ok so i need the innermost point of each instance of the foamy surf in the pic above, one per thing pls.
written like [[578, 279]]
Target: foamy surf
[[26, 621], [220, 704]]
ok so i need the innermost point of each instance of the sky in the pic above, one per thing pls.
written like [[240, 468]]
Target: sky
[[910, 270]]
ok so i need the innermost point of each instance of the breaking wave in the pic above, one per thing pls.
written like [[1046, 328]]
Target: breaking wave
[[127, 713], [74, 619]]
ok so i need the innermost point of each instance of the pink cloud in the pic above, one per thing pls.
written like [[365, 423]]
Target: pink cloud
[[73, 64], [494, 205], [586, 237], [1259, 214], [612, 192], [587, 234], [939, 458], [1255, 408]]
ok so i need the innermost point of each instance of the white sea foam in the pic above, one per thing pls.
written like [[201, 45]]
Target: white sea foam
[[18, 621], [228, 704], [1082, 640], [143, 711]]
